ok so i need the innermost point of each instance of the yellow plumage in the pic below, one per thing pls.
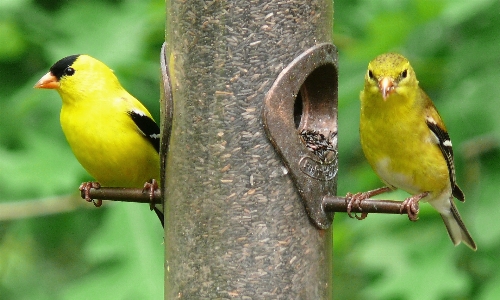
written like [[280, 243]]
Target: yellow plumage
[[111, 133], [405, 141]]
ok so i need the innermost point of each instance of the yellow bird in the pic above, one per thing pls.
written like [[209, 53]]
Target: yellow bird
[[406, 143], [111, 133]]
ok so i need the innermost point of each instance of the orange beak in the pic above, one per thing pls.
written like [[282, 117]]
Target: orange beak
[[386, 86], [48, 81]]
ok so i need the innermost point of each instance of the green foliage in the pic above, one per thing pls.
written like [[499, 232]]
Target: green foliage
[[116, 252]]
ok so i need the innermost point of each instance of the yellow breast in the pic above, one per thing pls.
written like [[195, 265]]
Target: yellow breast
[[108, 144], [405, 158]]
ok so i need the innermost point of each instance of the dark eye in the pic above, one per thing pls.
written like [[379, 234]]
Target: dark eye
[[69, 71], [404, 74], [370, 74]]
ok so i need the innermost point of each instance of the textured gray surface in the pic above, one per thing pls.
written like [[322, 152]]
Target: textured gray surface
[[236, 227]]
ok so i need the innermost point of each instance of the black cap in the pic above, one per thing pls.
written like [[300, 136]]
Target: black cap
[[60, 66]]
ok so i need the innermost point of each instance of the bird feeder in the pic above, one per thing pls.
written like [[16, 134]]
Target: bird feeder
[[249, 124]]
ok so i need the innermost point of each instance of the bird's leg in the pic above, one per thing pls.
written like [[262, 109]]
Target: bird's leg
[[151, 186], [411, 206], [354, 200], [85, 187]]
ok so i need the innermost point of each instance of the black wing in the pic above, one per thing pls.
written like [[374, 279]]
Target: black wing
[[445, 145], [148, 127]]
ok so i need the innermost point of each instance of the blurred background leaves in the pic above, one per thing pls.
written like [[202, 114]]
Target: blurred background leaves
[[62, 248]]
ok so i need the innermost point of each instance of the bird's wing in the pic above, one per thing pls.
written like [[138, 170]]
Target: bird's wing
[[151, 131], [436, 126], [147, 126]]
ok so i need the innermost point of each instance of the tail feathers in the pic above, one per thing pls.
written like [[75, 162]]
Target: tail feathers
[[457, 192], [456, 227], [158, 210]]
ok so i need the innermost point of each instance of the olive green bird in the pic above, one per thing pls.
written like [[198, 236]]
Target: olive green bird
[[406, 143]]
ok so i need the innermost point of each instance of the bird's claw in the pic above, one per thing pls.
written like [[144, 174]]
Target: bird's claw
[[411, 208], [410, 204], [354, 200], [85, 188], [151, 187]]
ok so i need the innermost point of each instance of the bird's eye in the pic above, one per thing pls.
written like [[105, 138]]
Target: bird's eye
[[370, 74], [69, 71], [404, 74]]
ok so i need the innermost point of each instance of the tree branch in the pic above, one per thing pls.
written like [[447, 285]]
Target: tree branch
[[34, 208]]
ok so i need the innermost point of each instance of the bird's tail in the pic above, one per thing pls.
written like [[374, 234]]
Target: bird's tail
[[158, 210], [456, 227]]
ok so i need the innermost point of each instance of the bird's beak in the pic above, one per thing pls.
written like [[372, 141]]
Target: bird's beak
[[386, 86], [48, 81]]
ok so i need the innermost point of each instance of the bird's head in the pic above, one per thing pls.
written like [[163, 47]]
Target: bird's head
[[388, 74], [77, 74]]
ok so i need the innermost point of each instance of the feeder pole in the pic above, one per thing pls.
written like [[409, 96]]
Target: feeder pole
[[235, 224]]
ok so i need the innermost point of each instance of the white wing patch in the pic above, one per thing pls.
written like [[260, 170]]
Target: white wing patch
[[139, 112], [433, 138], [430, 120]]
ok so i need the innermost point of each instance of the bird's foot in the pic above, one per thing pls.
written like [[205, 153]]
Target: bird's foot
[[85, 188], [150, 187], [411, 206], [354, 201]]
